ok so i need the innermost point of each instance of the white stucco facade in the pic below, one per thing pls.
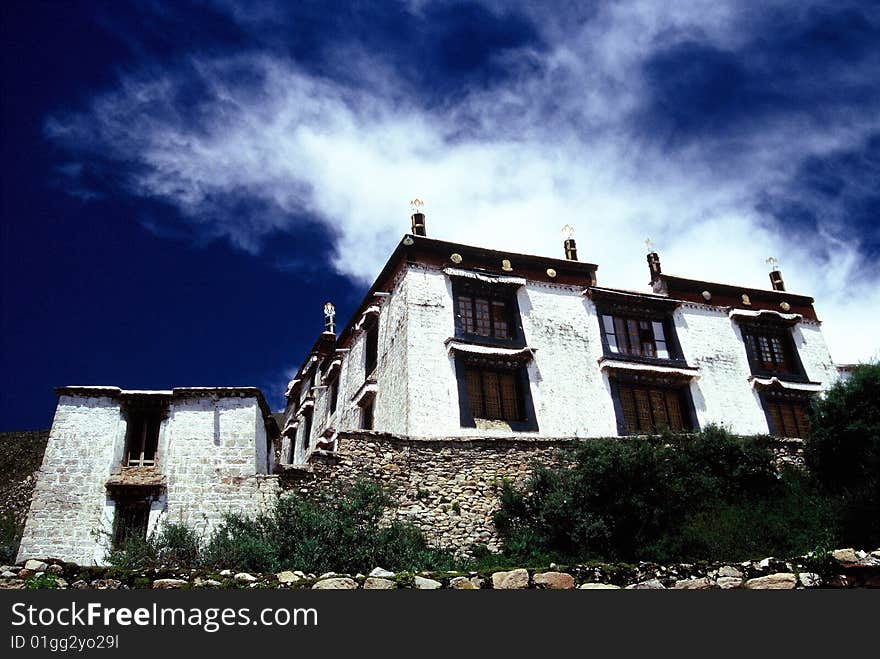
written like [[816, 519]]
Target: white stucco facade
[[417, 391], [213, 457]]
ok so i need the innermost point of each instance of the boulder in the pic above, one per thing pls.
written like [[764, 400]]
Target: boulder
[[379, 583], [846, 557], [693, 584], [165, 584], [422, 583], [726, 583], [511, 580], [777, 581], [35, 566], [244, 577], [730, 571], [553, 580], [336, 583], [381, 572], [650, 584], [465, 583], [598, 586], [287, 577], [105, 584]]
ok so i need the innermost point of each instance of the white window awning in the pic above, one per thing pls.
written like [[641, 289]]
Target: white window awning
[[335, 365], [368, 388], [794, 386], [757, 313], [638, 367], [485, 277], [489, 351], [308, 403], [372, 310]]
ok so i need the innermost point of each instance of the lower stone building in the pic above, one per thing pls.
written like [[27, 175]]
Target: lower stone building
[[117, 461]]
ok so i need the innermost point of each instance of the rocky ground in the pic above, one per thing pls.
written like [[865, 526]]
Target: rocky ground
[[842, 568]]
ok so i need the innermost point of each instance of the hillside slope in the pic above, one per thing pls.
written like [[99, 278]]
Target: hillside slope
[[21, 454]]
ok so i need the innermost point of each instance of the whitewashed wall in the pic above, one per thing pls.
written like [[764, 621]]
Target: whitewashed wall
[[418, 390], [212, 452]]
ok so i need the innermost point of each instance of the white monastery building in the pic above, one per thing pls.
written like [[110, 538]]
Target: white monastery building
[[456, 348]]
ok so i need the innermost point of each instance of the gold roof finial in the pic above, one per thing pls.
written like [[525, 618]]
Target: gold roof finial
[[773, 262], [417, 205], [649, 245], [568, 231]]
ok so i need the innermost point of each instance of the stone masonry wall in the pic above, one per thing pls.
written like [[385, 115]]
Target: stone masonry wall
[[211, 459], [448, 488], [69, 499]]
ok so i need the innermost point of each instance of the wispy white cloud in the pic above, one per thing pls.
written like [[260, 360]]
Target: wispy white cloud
[[504, 167]]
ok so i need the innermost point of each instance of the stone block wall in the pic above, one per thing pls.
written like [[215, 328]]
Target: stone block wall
[[69, 498], [448, 488], [211, 459]]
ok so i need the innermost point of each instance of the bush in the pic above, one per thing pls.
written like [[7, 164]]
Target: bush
[[843, 451], [171, 544], [339, 532], [674, 497]]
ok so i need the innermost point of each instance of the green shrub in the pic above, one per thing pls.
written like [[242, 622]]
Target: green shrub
[[244, 543], [340, 531], [42, 582], [843, 452], [673, 497], [171, 544]]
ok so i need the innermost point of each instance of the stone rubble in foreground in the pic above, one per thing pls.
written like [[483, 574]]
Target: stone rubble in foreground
[[843, 568]]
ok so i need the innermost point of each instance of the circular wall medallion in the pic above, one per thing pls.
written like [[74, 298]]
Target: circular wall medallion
[[707, 295], [745, 299], [407, 241], [551, 272], [785, 306], [505, 265], [455, 258]]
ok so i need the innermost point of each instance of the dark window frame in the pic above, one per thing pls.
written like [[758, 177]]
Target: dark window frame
[[333, 396], [492, 293], [528, 421], [368, 413], [371, 347], [131, 519], [307, 429], [795, 372], [143, 421], [680, 388], [650, 315], [778, 398]]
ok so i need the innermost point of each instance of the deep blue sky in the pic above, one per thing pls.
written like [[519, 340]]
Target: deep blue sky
[[184, 184]]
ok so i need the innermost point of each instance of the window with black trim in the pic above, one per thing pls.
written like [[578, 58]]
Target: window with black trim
[[142, 434], [307, 429], [770, 350], [368, 413], [787, 416], [130, 522], [635, 336], [494, 394], [649, 404], [333, 396], [371, 347], [486, 312], [651, 409]]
